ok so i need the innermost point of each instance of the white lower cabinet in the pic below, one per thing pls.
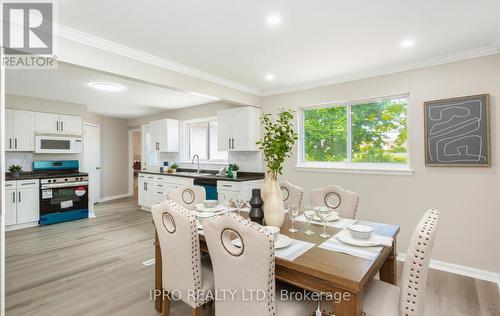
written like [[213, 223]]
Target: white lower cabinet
[[154, 188], [234, 189], [22, 203]]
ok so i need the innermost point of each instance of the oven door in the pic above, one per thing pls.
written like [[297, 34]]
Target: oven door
[[64, 199]]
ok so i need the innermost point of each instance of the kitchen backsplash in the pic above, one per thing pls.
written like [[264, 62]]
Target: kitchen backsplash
[[25, 159]]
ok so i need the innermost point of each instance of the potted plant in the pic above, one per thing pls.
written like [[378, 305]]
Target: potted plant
[[233, 170], [15, 170], [276, 145], [174, 167]]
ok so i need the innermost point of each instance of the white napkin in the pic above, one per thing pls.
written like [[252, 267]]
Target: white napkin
[[340, 223], [295, 250], [334, 244]]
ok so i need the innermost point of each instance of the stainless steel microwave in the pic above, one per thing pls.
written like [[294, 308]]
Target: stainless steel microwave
[[58, 144]]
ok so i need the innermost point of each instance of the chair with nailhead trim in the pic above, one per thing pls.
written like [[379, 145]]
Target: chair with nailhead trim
[[188, 196], [385, 299], [185, 272], [292, 194], [340, 200], [247, 268]]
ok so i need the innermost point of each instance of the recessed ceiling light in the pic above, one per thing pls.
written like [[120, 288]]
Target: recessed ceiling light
[[407, 43], [269, 77], [273, 20], [107, 86]]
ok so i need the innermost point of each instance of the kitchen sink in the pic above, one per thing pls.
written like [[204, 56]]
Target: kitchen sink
[[194, 174]]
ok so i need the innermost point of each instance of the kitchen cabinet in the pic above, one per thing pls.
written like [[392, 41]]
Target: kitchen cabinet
[[164, 135], [22, 203], [233, 189], [154, 188], [19, 130], [54, 123], [238, 129]]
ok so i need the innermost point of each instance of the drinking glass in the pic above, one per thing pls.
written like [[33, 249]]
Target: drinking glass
[[293, 211], [222, 199], [309, 215], [239, 203], [323, 213]]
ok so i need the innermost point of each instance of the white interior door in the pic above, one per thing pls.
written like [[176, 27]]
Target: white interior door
[[91, 161]]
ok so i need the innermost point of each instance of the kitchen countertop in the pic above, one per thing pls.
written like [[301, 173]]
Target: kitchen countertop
[[26, 175], [211, 175]]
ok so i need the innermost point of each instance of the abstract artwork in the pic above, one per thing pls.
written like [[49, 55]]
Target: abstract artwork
[[457, 132]]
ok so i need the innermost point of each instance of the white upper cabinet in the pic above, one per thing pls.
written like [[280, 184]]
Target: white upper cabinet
[[164, 135], [19, 130], [54, 123], [238, 129]]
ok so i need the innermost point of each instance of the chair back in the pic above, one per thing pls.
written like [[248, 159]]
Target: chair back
[[292, 194], [414, 279], [243, 269], [188, 196], [340, 200], [180, 250]]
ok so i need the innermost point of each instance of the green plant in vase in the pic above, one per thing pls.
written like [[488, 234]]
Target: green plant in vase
[[276, 145], [15, 170]]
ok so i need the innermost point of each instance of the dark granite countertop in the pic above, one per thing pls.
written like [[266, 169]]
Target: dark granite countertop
[[211, 175], [26, 175]]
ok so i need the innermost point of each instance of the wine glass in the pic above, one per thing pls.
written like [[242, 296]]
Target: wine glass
[[293, 211], [239, 203], [222, 199], [309, 214], [323, 213]]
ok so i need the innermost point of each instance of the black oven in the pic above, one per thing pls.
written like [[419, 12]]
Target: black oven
[[63, 201]]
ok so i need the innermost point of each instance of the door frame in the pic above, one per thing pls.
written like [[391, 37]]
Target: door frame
[[98, 189], [131, 158]]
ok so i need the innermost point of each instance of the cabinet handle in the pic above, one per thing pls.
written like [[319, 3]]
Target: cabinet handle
[[15, 142], [62, 126], [13, 197], [57, 125], [146, 186], [19, 196], [10, 143], [226, 185], [28, 183], [229, 143], [233, 142]]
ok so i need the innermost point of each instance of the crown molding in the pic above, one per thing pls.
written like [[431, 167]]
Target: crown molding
[[444, 59], [87, 39]]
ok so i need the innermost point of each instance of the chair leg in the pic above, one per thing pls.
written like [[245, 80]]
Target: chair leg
[[197, 311], [166, 305]]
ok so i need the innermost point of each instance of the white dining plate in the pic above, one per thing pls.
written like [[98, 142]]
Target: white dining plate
[[331, 218], [345, 237], [201, 208], [283, 241], [205, 214]]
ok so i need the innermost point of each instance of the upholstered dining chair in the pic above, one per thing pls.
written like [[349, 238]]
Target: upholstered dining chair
[[247, 267], [385, 299], [185, 272], [188, 196], [292, 194], [340, 200]]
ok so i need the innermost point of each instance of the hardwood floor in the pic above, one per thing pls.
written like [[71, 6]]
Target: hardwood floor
[[94, 267]]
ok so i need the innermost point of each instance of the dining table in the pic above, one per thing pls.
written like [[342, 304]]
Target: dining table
[[323, 270]]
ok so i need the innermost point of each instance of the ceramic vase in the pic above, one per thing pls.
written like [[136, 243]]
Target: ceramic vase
[[256, 213], [274, 213]]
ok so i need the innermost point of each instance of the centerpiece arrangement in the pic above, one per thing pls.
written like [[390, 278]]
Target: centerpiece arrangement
[[276, 145]]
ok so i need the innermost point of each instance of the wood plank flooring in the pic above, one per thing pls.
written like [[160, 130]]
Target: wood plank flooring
[[94, 267]]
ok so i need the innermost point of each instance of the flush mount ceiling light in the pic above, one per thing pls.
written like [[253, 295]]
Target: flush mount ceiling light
[[273, 20], [407, 43], [107, 86], [269, 77]]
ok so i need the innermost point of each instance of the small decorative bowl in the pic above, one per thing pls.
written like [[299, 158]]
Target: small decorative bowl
[[360, 231], [210, 203]]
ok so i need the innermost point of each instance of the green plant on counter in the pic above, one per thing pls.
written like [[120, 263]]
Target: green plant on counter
[[279, 138], [233, 167], [15, 168], [174, 166]]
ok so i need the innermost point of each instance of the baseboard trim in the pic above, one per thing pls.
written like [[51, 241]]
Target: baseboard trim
[[114, 197], [21, 226], [461, 270]]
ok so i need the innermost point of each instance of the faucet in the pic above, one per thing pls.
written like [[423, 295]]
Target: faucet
[[198, 159]]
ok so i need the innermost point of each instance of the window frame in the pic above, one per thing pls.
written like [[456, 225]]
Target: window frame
[[185, 141], [349, 166]]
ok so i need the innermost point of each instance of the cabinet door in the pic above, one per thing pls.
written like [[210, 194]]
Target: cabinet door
[[239, 136], [154, 129], [9, 129], [23, 130], [224, 129], [172, 136], [10, 207], [143, 193], [70, 124], [46, 122], [27, 206]]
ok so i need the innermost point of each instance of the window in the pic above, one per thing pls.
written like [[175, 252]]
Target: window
[[356, 134], [201, 140]]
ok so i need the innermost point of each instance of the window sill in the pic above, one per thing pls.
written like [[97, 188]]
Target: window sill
[[385, 169]]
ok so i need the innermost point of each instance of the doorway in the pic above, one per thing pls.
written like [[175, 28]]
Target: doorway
[[92, 162], [135, 159]]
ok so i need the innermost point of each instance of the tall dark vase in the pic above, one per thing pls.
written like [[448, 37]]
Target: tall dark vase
[[256, 213]]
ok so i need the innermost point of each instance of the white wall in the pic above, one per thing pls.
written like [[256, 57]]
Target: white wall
[[469, 198], [114, 142]]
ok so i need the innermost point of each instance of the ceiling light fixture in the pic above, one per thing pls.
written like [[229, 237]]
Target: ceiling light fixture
[[269, 77], [107, 86], [407, 43], [273, 20]]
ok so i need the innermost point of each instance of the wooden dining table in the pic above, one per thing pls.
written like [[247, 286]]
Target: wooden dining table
[[323, 270]]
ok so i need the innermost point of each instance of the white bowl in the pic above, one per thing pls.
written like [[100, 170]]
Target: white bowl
[[360, 231], [273, 230], [210, 203]]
